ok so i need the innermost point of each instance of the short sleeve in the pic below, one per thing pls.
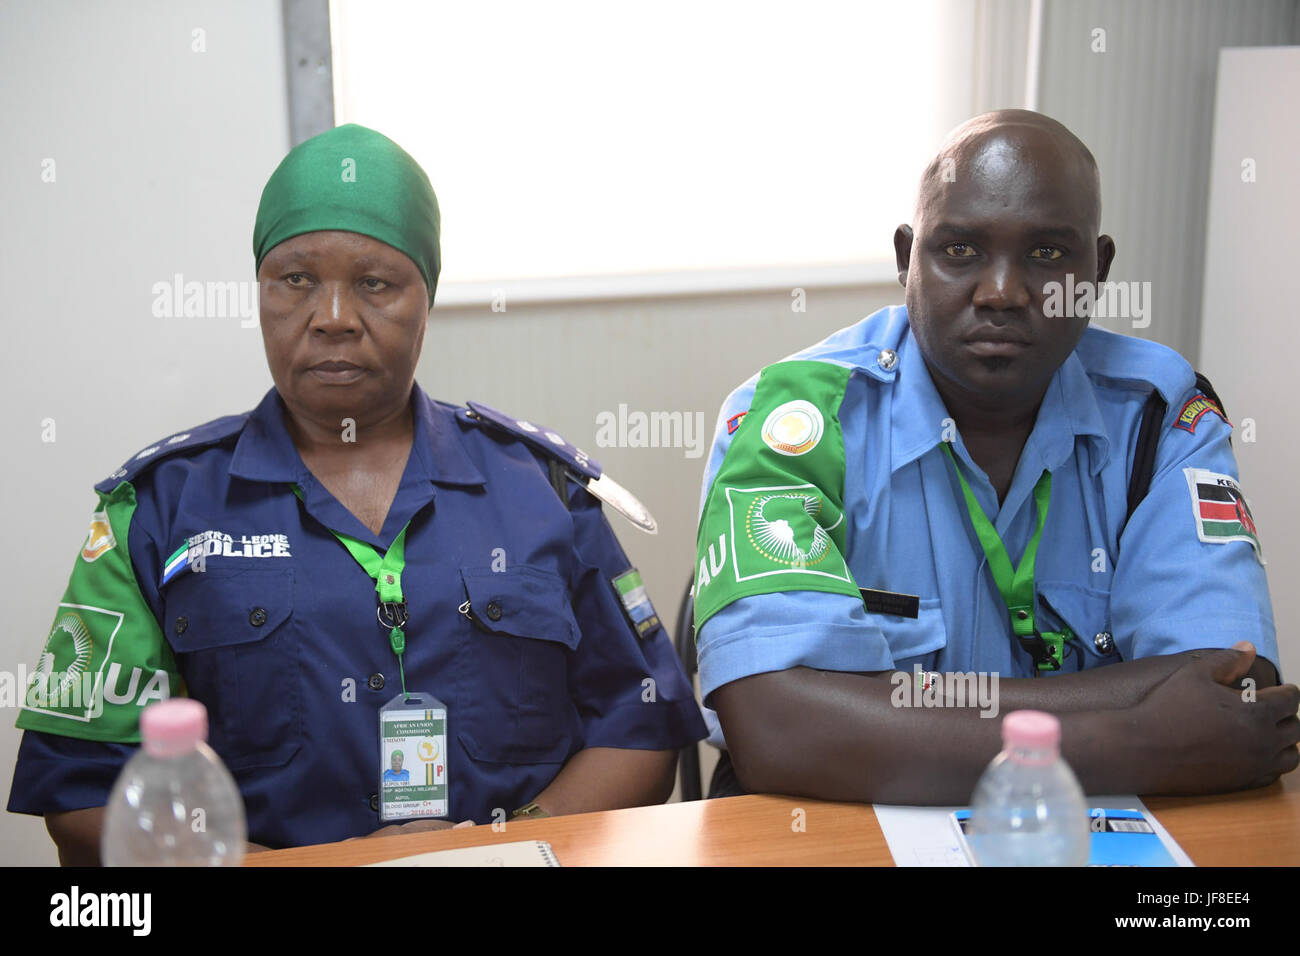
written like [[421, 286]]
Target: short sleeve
[[54, 773], [1190, 572], [627, 683], [785, 629]]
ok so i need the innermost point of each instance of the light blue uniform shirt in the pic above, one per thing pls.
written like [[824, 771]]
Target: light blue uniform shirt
[[1153, 585]]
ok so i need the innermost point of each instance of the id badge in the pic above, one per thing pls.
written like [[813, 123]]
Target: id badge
[[413, 758]]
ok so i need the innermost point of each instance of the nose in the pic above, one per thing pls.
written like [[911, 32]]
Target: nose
[[333, 312], [1001, 287]]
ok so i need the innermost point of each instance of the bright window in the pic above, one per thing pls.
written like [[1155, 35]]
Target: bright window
[[618, 148]]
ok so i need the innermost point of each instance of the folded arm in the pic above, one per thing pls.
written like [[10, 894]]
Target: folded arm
[[1174, 725]]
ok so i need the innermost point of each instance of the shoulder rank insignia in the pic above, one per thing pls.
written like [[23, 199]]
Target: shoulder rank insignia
[[578, 464], [208, 433]]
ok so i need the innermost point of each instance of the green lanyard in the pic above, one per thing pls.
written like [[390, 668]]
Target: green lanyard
[[386, 570], [1017, 586]]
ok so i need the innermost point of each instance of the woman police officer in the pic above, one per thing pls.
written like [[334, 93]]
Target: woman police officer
[[239, 563]]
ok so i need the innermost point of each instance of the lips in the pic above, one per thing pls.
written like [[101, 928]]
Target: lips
[[336, 372], [994, 343], [997, 337]]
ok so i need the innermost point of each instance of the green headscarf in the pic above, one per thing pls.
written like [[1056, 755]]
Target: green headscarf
[[356, 180]]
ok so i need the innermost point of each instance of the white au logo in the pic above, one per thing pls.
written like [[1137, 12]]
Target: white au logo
[[794, 428], [68, 628], [774, 538]]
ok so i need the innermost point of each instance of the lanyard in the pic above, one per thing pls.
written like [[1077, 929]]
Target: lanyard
[[386, 570], [1017, 585]]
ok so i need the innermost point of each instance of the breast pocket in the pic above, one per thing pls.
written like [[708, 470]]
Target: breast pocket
[[913, 636], [238, 654], [524, 633], [1086, 611]]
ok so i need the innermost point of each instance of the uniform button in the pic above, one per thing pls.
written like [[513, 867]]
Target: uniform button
[[181, 624], [374, 802], [493, 611], [258, 617], [1104, 643], [887, 359], [376, 682]]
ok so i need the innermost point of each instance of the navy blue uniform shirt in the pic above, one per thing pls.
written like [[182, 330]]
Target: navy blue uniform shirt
[[278, 636]]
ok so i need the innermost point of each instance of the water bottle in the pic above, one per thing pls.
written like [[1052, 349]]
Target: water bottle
[[1028, 809], [175, 803]]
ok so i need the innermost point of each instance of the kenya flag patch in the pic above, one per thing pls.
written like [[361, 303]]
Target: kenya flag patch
[[1219, 505]]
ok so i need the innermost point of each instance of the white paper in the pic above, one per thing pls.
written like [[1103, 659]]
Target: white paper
[[924, 836], [521, 853]]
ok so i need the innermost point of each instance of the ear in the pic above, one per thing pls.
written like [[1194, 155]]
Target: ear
[[903, 251], [1105, 256]]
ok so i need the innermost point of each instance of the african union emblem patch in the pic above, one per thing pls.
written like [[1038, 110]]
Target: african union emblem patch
[[1222, 514], [99, 539], [784, 530], [794, 428]]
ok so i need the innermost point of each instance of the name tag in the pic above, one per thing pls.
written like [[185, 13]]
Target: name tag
[[412, 758], [891, 602]]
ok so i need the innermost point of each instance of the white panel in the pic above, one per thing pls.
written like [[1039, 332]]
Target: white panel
[[163, 121], [1251, 318]]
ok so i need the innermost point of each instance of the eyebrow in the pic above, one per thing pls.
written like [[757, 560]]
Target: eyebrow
[[979, 231], [308, 258]]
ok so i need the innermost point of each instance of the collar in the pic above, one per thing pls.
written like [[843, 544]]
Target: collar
[[1069, 410], [265, 452]]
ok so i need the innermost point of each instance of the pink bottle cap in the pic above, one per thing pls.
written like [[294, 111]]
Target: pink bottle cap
[[172, 727], [1031, 730]]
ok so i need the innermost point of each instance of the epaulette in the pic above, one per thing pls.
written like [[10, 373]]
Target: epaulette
[[1141, 362], [566, 462], [209, 433], [538, 437]]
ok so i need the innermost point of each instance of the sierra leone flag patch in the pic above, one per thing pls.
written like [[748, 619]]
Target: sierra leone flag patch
[[636, 602], [1219, 506]]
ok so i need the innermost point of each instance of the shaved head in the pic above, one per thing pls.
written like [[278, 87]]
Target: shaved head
[[988, 144]]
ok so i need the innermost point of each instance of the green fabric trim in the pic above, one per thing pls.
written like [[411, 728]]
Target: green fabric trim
[[105, 656], [773, 519]]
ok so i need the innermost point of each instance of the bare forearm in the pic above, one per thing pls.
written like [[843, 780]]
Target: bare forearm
[[1114, 687], [1193, 728], [840, 737], [607, 778]]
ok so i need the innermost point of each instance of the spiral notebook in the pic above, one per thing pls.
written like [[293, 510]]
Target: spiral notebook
[[523, 853]]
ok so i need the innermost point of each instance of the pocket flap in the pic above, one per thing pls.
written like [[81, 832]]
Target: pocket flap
[[223, 607], [1084, 610], [522, 602]]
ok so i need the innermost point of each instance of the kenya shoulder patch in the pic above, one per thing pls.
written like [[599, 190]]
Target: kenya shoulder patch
[[1220, 509]]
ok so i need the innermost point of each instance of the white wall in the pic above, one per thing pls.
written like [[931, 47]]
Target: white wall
[[159, 156], [1249, 330]]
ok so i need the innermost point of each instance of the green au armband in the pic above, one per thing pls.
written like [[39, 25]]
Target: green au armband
[[105, 657], [774, 516]]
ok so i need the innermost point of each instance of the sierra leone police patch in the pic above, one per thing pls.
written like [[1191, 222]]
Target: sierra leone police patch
[[1220, 509]]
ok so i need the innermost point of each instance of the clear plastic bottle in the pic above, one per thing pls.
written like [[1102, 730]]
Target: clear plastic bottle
[[175, 803], [1028, 809]]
